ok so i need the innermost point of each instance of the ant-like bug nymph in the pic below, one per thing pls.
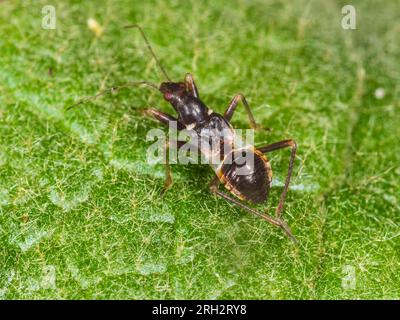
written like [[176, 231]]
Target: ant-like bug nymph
[[252, 186]]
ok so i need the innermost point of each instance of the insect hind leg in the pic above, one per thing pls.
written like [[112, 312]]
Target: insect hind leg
[[276, 146], [274, 221]]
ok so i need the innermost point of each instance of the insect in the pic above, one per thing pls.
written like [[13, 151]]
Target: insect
[[193, 114]]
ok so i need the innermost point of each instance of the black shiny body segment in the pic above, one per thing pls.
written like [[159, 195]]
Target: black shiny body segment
[[254, 184], [215, 123], [218, 132], [191, 110]]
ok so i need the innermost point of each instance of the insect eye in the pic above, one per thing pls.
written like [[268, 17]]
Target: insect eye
[[168, 96]]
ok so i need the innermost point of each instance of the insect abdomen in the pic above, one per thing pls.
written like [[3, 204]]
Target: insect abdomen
[[251, 184]]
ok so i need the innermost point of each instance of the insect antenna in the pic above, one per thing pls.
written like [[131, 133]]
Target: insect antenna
[[113, 90], [149, 48]]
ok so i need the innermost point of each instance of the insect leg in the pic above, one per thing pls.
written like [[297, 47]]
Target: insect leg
[[164, 117], [274, 221], [276, 146], [191, 85], [168, 177], [232, 106]]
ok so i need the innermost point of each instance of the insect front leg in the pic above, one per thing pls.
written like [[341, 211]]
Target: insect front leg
[[164, 118], [167, 120], [276, 222], [232, 107], [191, 85], [168, 176], [276, 146]]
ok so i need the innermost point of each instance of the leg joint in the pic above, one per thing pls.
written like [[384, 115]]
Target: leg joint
[[213, 188], [239, 97], [293, 144]]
